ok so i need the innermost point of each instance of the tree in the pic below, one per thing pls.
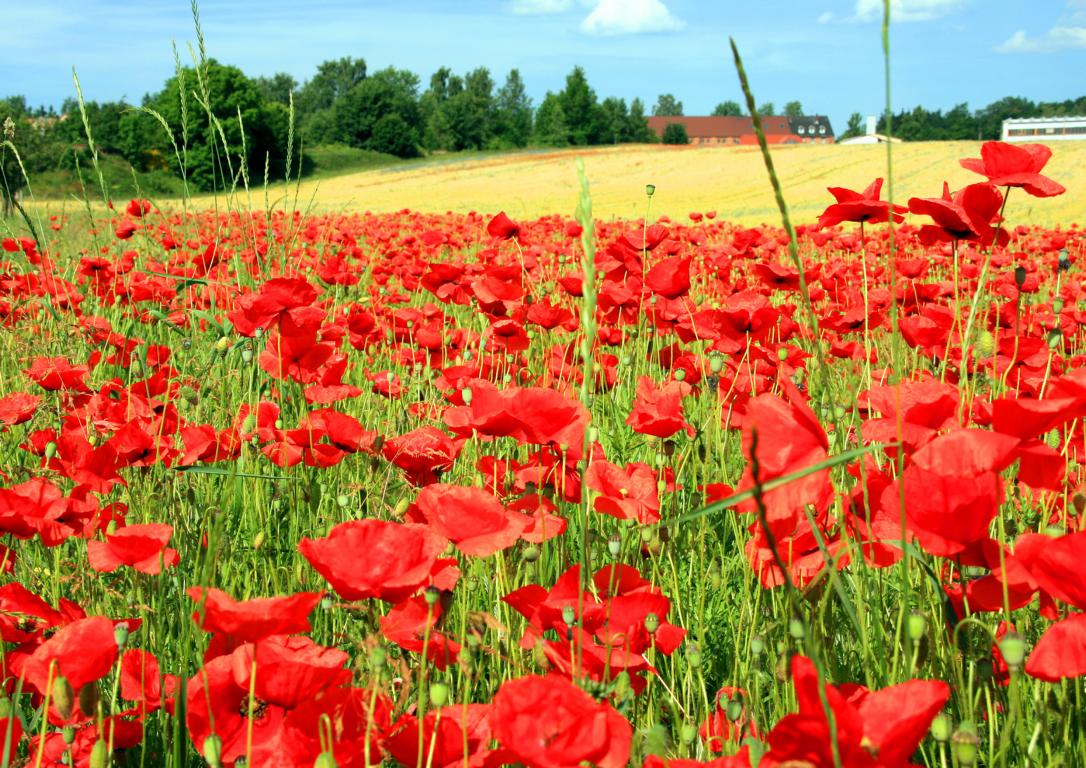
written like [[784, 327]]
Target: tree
[[551, 129], [514, 112], [728, 109], [959, 124], [675, 133], [38, 146], [855, 126], [639, 124], [581, 110], [667, 106], [333, 80], [259, 137], [767, 110], [616, 120], [793, 109], [990, 119], [277, 88], [388, 92]]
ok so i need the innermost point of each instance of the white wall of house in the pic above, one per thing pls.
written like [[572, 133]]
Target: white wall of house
[[1045, 129]]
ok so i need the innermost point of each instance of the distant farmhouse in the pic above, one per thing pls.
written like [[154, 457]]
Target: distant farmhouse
[[1046, 128], [733, 131], [870, 136]]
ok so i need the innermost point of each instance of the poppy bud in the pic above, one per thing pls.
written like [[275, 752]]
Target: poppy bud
[[614, 545], [1055, 338], [439, 694], [1057, 305], [652, 623], [325, 760], [966, 744], [569, 615], [89, 699], [716, 363], [593, 434], [68, 734], [63, 696], [432, 595], [222, 344], [650, 190], [401, 508], [1013, 649], [693, 656], [50, 450], [258, 332], [213, 751], [757, 645], [531, 553], [734, 710], [916, 627], [680, 375], [1019, 276], [99, 756], [940, 727], [688, 733], [343, 500], [796, 629], [985, 344], [247, 355]]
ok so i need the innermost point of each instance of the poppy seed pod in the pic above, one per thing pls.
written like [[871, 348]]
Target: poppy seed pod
[[439, 694], [1020, 276], [940, 727], [99, 756], [213, 751], [63, 696], [325, 760], [1013, 649]]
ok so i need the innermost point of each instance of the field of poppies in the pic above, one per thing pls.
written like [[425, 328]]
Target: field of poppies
[[457, 490]]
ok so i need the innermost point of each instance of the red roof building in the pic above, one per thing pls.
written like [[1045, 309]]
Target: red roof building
[[725, 131]]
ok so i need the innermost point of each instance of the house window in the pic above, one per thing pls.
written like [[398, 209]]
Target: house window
[[822, 130], [801, 130]]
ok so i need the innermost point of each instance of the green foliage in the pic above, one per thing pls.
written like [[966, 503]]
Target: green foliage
[[277, 88], [389, 96], [667, 106], [675, 133], [920, 124], [584, 118], [728, 109], [551, 128], [793, 109], [855, 126], [513, 112], [767, 110]]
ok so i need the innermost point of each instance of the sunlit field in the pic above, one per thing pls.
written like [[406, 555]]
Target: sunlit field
[[730, 181]]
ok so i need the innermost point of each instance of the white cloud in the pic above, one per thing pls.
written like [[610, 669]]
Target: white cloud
[[537, 7], [630, 17], [907, 10], [826, 17], [1056, 39]]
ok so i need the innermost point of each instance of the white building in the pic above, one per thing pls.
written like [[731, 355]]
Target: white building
[[1044, 129], [870, 137]]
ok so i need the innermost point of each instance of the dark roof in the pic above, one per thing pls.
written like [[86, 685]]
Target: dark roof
[[808, 122], [719, 127]]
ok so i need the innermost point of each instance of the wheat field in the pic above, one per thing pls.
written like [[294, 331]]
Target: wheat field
[[731, 181]]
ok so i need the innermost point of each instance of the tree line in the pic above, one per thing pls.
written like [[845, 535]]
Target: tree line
[[962, 124]]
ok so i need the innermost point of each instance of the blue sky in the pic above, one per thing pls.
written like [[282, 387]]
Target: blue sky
[[826, 53]]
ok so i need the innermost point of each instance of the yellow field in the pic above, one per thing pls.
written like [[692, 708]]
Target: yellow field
[[731, 181]]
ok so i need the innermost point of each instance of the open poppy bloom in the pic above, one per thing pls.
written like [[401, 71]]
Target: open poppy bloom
[[860, 207], [1015, 165], [142, 547]]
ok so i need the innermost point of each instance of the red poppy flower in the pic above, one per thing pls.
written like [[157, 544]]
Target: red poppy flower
[[54, 373], [18, 408], [400, 559], [741, 759], [445, 733], [889, 723], [859, 207], [278, 298], [658, 410], [247, 621], [789, 439], [1015, 165], [548, 722], [967, 215], [82, 652], [470, 518], [628, 494], [502, 227], [142, 682], [424, 454], [412, 625], [670, 278], [533, 415], [1061, 651], [138, 208], [142, 547]]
